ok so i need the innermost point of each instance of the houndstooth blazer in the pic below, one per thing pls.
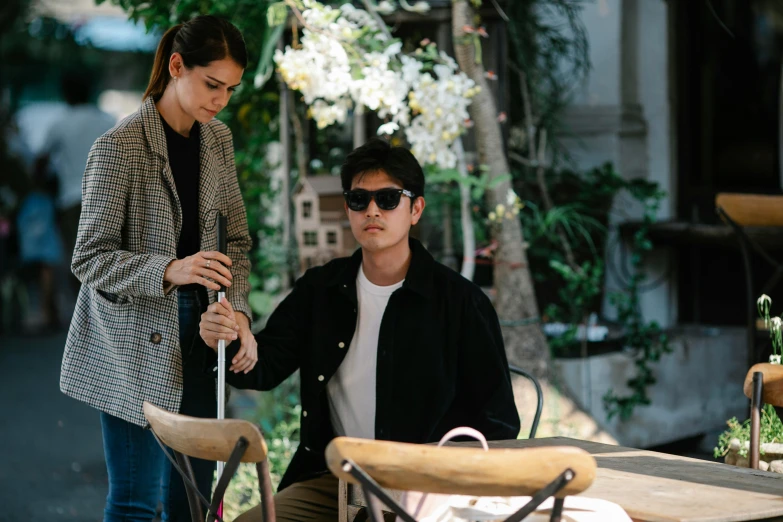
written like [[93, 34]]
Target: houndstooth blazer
[[119, 354]]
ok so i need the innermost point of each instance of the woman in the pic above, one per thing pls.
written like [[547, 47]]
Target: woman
[[145, 256]]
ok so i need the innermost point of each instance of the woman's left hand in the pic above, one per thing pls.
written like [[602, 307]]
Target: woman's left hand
[[247, 356]]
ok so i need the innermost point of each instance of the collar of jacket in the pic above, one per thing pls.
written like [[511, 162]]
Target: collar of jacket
[[156, 136], [418, 279], [209, 151]]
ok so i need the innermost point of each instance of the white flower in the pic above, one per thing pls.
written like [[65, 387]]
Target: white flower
[[334, 70], [418, 7], [764, 300], [511, 198], [326, 114], [393, 49], [410, 69], [385, 8], [388, 128]]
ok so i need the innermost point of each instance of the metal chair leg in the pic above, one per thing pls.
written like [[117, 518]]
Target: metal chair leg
[[265, 488], [544, 493], [228, 473], [539, 394], [372, 488], [193, 501], [373, 506], [557, 510], [755, 419]]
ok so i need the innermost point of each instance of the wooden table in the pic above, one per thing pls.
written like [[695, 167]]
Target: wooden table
[[657, 487]]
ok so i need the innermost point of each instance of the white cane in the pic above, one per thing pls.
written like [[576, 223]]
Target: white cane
[[221, 381]]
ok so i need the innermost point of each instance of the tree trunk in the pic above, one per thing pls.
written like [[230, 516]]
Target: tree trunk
[[515, 299]]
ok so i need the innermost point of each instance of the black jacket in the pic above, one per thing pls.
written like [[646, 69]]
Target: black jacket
[[441, 361]]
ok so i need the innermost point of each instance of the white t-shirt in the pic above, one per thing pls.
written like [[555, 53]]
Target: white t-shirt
[[352, 388], [68, 144]]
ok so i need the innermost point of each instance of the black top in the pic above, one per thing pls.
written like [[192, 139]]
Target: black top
[[184, 159], [441, 361]]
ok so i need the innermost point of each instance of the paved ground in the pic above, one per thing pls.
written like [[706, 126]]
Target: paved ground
[[51, 455], [50, 446]]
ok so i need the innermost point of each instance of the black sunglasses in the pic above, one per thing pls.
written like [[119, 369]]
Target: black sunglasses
[[386, 199]]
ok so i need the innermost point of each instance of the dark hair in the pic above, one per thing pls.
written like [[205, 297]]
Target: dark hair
[[377, 154], [76, 86], [200, 41]]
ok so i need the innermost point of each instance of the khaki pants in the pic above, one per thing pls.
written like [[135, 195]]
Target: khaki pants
[[309, 501]]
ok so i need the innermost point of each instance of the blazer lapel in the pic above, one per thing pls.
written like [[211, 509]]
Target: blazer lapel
[[208, 187], [156, 137]]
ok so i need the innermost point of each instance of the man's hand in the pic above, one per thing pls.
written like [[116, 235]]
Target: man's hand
[[247, 357], [221, 322]]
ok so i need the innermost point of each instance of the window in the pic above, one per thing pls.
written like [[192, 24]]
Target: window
[[331, 238], [307, 209], [311, 238]]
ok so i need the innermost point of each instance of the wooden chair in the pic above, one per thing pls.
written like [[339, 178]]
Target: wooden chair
[[348, 492], [230, 440], [536, 472], [740, 212], [763, 384]]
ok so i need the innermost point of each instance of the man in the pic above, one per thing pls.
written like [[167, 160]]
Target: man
[[65, 150], [390, 344]]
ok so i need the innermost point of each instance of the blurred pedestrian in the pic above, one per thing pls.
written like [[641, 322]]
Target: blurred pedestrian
[[65, 149]]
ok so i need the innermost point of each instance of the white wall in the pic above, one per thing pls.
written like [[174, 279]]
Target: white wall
[[655, 94], [699, 387], [602, 20], [622, 115]]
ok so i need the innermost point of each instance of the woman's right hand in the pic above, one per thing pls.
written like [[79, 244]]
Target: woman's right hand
[[200, 268]]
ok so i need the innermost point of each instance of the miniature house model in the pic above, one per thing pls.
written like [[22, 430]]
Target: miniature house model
[[322, 229]]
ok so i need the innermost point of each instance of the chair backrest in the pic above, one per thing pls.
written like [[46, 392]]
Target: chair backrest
[[221, 440], [752, 210], [460, 470], [208, 439], [539, 397], [772, 391]]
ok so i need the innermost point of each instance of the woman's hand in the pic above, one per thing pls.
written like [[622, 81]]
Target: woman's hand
[[208, 269]]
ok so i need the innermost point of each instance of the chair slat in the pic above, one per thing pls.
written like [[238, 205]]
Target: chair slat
[[209, 439], [752, 210], [773, 383], [459, 470]]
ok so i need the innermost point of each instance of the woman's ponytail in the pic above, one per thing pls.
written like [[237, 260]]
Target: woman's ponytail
[[159, 78]]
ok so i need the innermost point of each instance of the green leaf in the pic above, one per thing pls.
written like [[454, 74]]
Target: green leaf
[[266, 65], [277, 14], [498, 180], [260, 302]]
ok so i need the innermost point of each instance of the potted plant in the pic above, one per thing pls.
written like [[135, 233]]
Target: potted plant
[[734, 443]]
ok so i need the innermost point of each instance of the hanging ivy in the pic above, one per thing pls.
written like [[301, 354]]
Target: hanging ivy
[[646, 340]]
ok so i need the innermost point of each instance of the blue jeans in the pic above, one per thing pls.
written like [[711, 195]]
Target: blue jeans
[[136, 466], [139, 474]]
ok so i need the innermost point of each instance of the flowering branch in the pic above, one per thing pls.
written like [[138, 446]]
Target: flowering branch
[[348, 59]]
